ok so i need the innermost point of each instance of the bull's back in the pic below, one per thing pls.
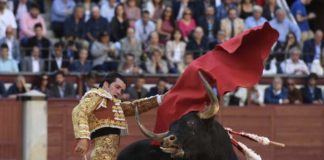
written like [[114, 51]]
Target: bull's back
[[142, 150]]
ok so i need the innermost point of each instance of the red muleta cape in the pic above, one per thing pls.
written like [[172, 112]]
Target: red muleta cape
[[237, 62]]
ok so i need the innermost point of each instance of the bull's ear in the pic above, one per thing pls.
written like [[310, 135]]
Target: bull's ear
[[212, 109]]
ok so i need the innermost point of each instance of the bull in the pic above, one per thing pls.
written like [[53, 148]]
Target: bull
[[195, 136]]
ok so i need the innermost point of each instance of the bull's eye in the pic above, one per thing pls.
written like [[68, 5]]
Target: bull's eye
[[191, 124]]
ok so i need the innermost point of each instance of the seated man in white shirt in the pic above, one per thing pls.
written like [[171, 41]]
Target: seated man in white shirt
[[144, 27], [33, 63], [294, 65]]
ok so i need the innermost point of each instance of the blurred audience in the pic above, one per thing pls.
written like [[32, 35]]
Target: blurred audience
[[89, 83], [175, 50], [41, 84], [160, 88], [39, 40], [247, 8], [29, 20], [2, 90], [232, 25], [61, 9], [156, 65], [75, 25], [209, 23], [256, 19], [133, 12], [33, 63], [107, 10], [312, 94], [17, 88], [144, 27], [137, 91], [119, 24], [186, 24], [188, 58], [269, 9], [294, 65], [82, 65], [61, 88], [96, 25], [130, 44], [13, 44], [165, 25], [7, 18], [276, 93], [129, 66], [198, 45], [7, 65], [313, 48], [294, 94], [58, 60]]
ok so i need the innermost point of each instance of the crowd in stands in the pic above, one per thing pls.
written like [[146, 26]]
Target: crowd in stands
[[137, 37]]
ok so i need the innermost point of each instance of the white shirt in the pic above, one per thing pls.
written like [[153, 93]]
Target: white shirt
[[298, 68], [272, 70], [317, 51], [59, 62], [36, 67], [143, 32], [107, 11], [7, 18], [21, 10], [9, 43]]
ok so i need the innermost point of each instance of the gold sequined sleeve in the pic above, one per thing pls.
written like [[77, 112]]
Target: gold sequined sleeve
[[81, 112], [144, 104]]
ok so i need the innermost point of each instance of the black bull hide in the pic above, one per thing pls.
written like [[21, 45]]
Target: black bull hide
[[199, 139]]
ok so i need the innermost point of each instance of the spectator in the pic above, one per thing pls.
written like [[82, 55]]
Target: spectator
[[7, 18], [61, 9], [209, 23], [199, 44], [58, 61], [318, 65], [82, 65], [61, 88], [87, 5], [179, 8], [160, 88], [2, 90], [254, 97], [21, 8], [107, 10], [129, 67], [270, 69], [41, 84], [155, 8], [89, 83], [40, 41], [96, 25], [144, 27], [294, 94], [71, 50], [175, 50], [104, 54], [276, 93], [236, 98], [311, 93], [284, 26], [299, 11], [281, 49], [29, 20], [256, 19], [220, 38], [269, 9], [247, 9], [154, 44], [137, 91], [133, 13], [74, 25], [131, 45], [232, 25], [12, 42], [223, 9], [6, 64], [18, 87], [188, 58], [187, 24], [156, 65], [33, 63], [294, 65], [314, 47], [119, 24], [165, 25]]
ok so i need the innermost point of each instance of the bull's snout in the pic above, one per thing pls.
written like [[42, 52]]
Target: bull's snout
[[169, 140]]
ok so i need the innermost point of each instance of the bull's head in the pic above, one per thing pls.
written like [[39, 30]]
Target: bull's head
[[194, 133]]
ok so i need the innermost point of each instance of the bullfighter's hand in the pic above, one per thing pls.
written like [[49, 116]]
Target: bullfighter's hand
[[82, 146]]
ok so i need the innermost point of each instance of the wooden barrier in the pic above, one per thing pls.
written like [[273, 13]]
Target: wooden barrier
[[10, 129], [301, 128]]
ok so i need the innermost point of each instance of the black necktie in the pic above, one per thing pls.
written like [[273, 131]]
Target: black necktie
[[232, 29]]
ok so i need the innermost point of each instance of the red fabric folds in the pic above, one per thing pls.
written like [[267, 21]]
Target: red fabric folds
[[237, 62]]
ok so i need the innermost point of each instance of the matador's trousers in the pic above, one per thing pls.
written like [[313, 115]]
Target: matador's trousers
[[106, 147]]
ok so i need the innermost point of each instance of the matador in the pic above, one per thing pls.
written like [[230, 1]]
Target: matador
[[100, 116]]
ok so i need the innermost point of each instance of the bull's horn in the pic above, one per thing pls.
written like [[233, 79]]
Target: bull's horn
[[213, 107], [146, 132]]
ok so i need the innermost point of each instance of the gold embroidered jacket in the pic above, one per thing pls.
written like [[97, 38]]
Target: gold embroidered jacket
[[98, 109]]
